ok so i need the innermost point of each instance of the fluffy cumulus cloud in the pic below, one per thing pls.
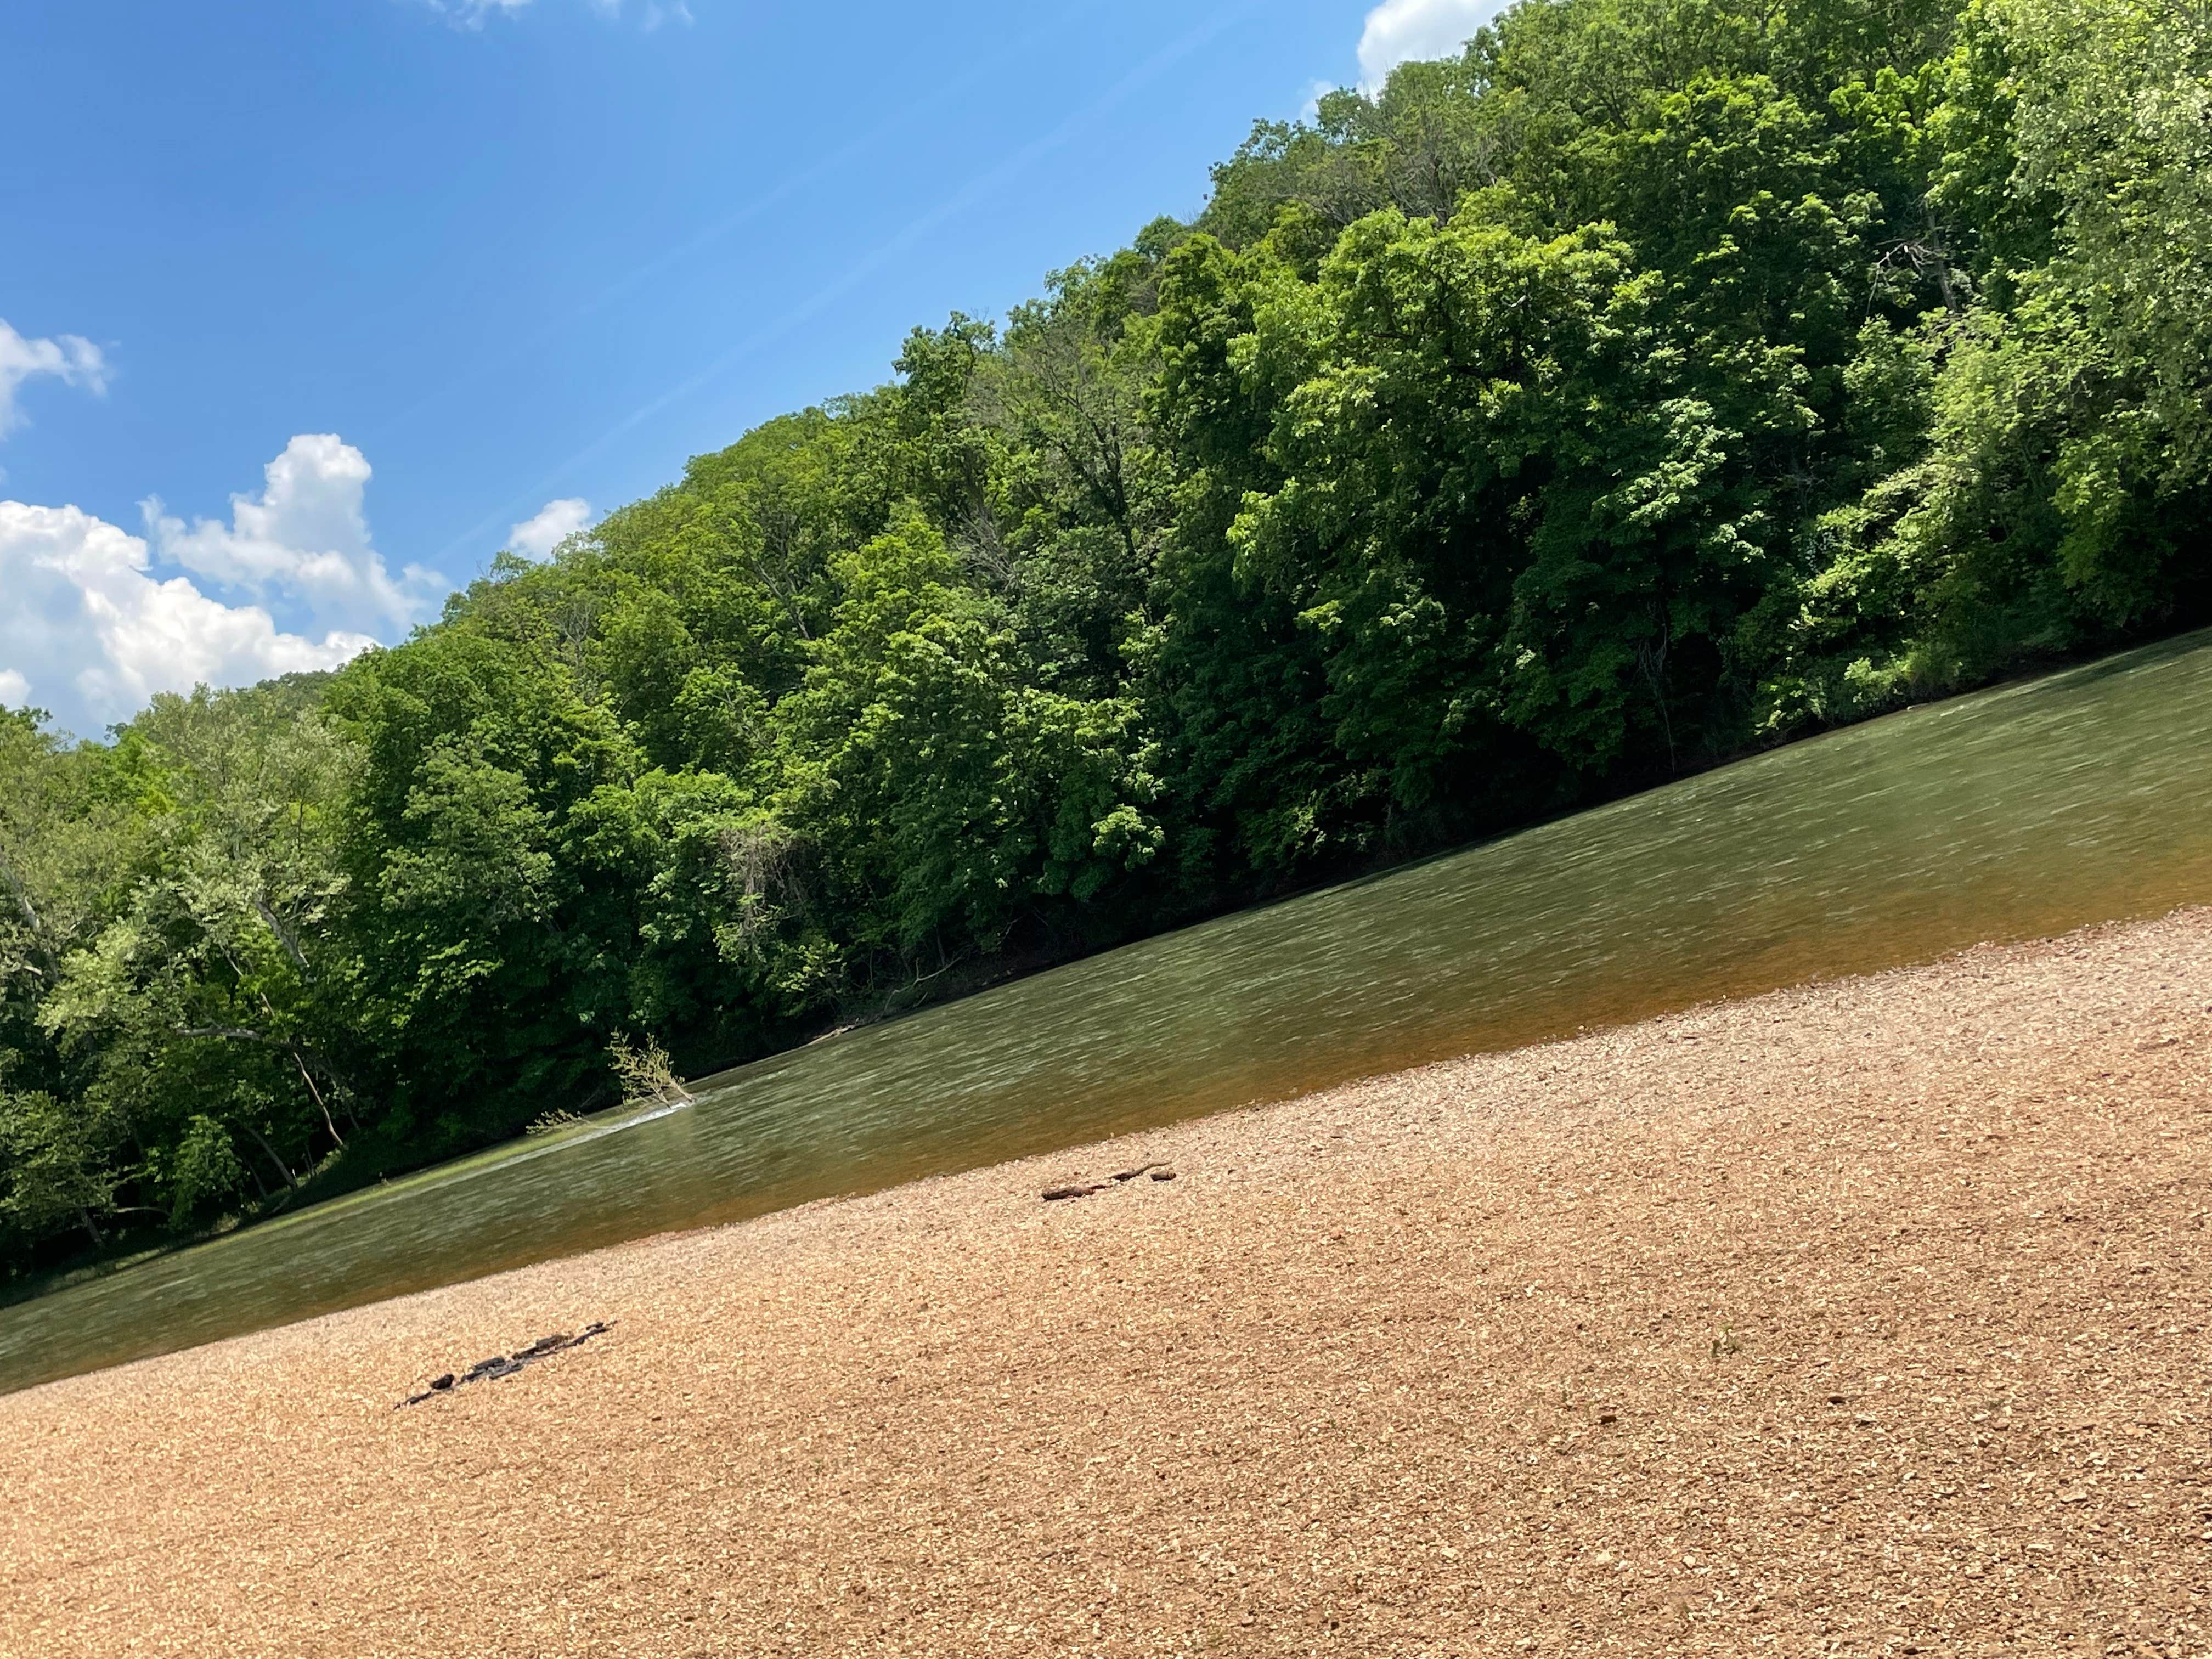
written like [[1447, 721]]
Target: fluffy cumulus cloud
[[1407, 31], [90, 632], [68, 358], [550, 526], [304, 538], [97, 620]]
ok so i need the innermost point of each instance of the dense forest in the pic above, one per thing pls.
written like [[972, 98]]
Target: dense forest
[[1658, 380]]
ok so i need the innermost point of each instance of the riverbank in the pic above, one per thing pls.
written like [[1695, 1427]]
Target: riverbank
[[1866, 1317]]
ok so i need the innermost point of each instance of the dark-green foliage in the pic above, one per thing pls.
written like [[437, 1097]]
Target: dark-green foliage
[[1654, 379]]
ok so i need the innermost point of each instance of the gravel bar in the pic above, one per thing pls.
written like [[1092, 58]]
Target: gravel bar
[[1865, 1318]]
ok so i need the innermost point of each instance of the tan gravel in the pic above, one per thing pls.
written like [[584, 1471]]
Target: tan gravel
[[1863, 1318]]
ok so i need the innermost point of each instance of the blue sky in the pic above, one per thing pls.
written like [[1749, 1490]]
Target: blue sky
[[306, 310]]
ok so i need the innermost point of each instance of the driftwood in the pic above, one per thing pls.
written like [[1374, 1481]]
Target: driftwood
[[506, 1364], [1084, 1189]]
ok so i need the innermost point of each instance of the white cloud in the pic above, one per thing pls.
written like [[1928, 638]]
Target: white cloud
[[550, 526], [650, 14], [473, 12], [304, 538], [90, 633], [68, 358], [1407, 31]]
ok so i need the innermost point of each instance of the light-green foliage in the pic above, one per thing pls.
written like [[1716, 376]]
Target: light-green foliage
[[2062, 499]]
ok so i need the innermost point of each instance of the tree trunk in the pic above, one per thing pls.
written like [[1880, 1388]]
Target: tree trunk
[[307, 1079], [262, 1140]]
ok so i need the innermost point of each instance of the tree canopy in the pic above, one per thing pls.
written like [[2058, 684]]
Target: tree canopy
[[1655, 379]]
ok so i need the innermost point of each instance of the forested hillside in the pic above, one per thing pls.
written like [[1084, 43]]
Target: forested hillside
[[1660, 379]]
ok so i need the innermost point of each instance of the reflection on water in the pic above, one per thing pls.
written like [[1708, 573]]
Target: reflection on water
[[2082, 797]]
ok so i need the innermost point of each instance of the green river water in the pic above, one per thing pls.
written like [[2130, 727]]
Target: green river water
[[2082, 797]]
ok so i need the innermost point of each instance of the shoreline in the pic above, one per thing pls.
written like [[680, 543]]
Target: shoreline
[[1868, 1314]]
